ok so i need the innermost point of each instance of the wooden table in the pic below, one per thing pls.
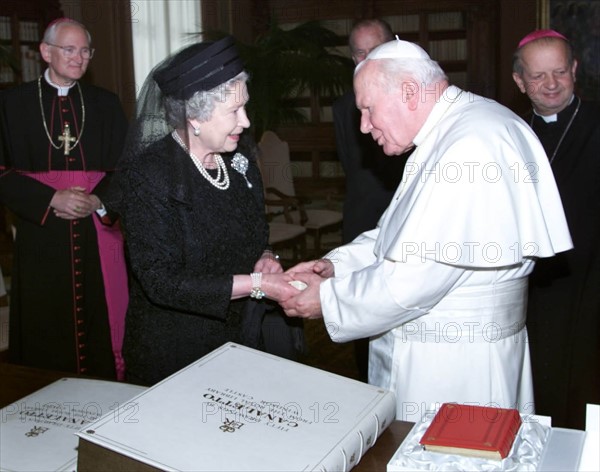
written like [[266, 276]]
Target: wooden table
[[376, 458], [17, 381]]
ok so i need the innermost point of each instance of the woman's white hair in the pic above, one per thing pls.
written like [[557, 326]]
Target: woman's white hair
[[199, 106]]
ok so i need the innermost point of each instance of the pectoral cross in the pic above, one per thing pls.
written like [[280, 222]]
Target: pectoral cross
[[67, 139]]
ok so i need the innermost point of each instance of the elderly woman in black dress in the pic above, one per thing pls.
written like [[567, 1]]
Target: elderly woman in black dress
[[191, 203]]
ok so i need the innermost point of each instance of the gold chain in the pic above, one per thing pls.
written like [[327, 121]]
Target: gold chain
[[44, 116]]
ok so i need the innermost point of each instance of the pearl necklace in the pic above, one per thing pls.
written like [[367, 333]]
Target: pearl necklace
[[221, 181], [44, 117]]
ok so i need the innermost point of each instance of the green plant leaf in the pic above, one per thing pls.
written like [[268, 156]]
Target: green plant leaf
[[8, 58], [285, 64]]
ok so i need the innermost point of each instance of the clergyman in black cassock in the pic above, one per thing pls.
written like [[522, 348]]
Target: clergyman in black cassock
[[60, 140], [564, 299]]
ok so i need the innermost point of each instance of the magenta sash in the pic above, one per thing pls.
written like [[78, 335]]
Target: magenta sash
[[112, 259]]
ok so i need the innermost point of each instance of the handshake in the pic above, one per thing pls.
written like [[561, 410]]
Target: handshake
[[298, 284], [298, 289]]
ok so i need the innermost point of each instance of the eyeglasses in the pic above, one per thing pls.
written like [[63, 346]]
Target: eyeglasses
[[72, 51]]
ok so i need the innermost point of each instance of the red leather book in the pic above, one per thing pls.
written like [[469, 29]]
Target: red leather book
[[472, 431]]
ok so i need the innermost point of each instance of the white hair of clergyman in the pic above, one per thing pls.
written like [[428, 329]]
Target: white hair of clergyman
[[52, 30], [201, 105], [400, 60]]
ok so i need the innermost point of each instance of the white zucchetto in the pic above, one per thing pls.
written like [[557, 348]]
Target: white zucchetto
[[396, 49]]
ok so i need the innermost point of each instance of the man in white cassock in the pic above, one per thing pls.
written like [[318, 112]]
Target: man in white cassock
[[440, 284]]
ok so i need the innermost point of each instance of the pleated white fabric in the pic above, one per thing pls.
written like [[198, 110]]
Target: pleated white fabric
[[440, 285]]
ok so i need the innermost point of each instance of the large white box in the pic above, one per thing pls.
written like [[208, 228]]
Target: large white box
[[239, 409], [38, 432]]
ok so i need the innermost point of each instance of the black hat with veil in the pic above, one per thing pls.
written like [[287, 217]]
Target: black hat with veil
[[199, 67], [195, 68]]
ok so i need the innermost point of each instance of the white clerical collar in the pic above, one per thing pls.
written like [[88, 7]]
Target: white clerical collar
[[63, 90], [450, 96], [552, 118]]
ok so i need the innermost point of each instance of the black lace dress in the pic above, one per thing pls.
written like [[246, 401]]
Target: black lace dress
[[185, 240]]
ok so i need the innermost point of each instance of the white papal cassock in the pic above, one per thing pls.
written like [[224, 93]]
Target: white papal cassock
[[440, 285]]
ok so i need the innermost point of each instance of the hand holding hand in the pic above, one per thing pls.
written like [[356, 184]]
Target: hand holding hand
[[73, 203], [321, 267], [306, 303], [268, 264], [277, 286]]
